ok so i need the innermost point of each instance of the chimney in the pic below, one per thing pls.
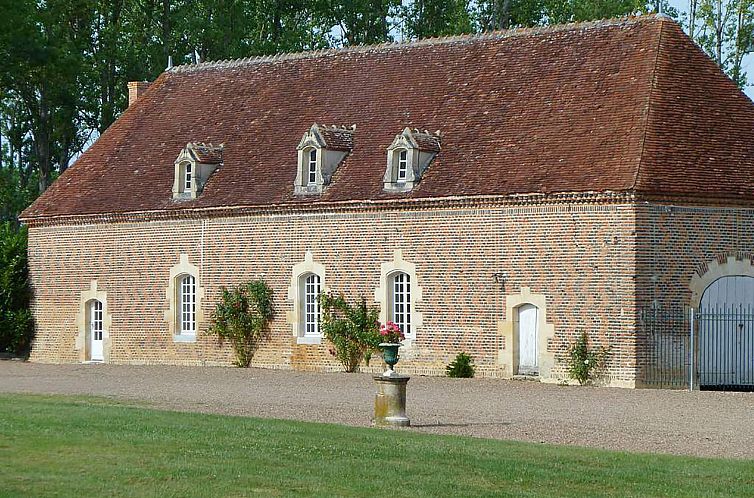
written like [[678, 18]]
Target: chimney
[[136, 89]]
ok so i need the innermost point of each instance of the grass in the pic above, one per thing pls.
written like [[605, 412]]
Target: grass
[[63, 446]]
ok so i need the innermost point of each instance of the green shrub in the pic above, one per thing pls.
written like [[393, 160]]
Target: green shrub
[[242, 316], [462, 367], [584, 362], [16, 325], [353, 330]]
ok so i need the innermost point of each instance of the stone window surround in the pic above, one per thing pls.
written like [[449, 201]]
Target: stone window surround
[[382, 294], [327, 163], [417, 162], [172, 315], [82, 323], [295, 317], [545, 332]]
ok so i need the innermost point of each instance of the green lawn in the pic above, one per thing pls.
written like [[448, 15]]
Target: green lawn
[[56, 446]]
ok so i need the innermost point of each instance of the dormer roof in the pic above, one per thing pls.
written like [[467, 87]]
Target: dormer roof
[[205, 153], [422, 140], [333, 137], [607, 106]]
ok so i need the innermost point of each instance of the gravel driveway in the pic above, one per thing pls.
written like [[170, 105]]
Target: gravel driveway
[[698, 423]]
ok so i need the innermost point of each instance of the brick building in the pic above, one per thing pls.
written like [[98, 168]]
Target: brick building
[[495, 194]]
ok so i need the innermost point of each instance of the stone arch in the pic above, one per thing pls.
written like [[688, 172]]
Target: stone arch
[[714, 270], [382, 293], [300, 270], [82, 321], [545, 333]]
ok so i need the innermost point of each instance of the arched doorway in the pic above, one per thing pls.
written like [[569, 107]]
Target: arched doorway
[[726, 333]]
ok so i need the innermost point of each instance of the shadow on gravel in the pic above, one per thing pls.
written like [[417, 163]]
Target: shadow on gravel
[[470, 424]]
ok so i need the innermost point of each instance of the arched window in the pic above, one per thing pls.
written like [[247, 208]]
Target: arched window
[[400, 303], [310, 305], [402, 170], [311, 171], [187, 305]]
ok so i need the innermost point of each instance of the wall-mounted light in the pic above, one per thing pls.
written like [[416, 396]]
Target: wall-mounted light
[[499, 279]]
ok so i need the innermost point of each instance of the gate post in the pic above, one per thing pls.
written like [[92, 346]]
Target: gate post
[[692, 352]]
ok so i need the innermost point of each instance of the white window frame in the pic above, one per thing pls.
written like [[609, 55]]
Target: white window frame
[[96, 319], [402, 168], [310, 304], [187, 305], [400, 301], [311, 170], [188, 176]]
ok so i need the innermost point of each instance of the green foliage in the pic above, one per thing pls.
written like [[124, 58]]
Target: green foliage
[[352, 329], [16, 326], [242, 316], [462, 367], [583, 361]]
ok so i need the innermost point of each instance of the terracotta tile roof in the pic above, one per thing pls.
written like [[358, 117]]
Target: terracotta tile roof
[[620, 105]]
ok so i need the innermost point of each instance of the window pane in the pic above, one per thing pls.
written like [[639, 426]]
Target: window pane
[[311, 305], [188, 305], [401, 299]]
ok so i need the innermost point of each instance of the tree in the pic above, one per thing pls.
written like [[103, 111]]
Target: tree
[[724, 30], [427, 18], [16, 326]]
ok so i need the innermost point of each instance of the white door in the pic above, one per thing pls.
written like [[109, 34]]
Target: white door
[[527, 340], [95, 331], [726, 334]]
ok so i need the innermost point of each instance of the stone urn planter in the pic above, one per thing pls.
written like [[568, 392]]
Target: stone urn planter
[[390, 355]]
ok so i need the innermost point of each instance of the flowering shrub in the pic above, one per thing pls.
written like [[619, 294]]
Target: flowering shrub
[[242, 316], [351, 328], [583, 361], [391, 333]]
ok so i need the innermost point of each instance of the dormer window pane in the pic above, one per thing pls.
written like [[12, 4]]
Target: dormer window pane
[[187, 178], [402, 166], [312, 166]]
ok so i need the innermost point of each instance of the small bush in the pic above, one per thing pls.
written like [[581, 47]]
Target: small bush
[[584, 362], [242, 316], [16, 325], [462, 367], [352, 329]]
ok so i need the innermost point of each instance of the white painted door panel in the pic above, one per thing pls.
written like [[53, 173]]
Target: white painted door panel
[[527, 339]]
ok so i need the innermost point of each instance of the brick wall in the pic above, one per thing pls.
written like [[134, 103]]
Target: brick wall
[[580, 256]]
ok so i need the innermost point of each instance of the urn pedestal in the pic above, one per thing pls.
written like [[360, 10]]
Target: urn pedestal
[[390, 401]]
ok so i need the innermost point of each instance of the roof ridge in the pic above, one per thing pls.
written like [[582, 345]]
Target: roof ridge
[[441, 40], [652, 82]]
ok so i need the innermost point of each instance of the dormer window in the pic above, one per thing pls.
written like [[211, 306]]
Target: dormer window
[[408, 157], [193, 167], [321, 150]]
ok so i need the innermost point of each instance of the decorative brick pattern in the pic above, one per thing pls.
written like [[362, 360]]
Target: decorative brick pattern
[[580, 256]]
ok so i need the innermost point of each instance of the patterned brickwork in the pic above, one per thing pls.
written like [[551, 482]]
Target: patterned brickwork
[[578, 255], [677, 242]]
